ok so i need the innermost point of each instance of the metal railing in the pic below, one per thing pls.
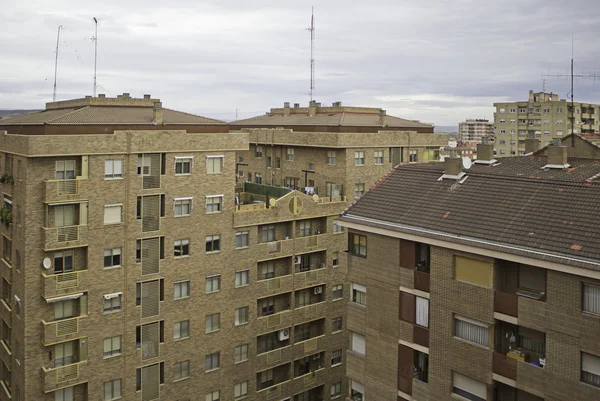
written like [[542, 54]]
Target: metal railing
[[62, 187], [64, 281], [63, 327]]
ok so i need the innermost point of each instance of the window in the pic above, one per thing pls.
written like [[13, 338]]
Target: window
[[65, 394], [559, 110], [335, 259], [240, 353], [336, 324], [267, 270], [359, 190], [214, 164], [591, 298], [113, 169], [63, 261], [65, 169], [502, 121], [258, 151], [112, 214], [213, 284], [213, 243], [181, 247], [181, 330], [359, 294], [241, 315], [213, 396], [512, 110], [337, 228], [338, 291], [211, 361], [358, 343], [471, 330], [590, 369], [112, 257], [336, 357], [183, 165], [331, 157], [474, 271], [241, 278], [182, 206], [357, 244], [181, 370], [522, 110], [503, 131], [269, 161], [305, 228], [212, 322], [378, 155], [468, 388], [144, 165], [112, 346], [112, 302], [268, 233], [422, 312], [413, 156], [357, 391], [336, 390], [289, 154], [559, 122], [240, 390], [112, 390], [213, 203], [422, 252], [241, 239], [359, 158], [181, 289], [267, 306], [258, 178]]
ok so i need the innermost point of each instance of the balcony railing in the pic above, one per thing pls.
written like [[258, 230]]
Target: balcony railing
[[60, 330], [60, 237], [421, 336], [58, 284], [61, 189], [63, 376], [504, 366], [505, 303], [421, 281]]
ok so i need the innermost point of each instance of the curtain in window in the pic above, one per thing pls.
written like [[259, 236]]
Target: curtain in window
[[590, 369], [469, 331], [591, 298], [422, 312]]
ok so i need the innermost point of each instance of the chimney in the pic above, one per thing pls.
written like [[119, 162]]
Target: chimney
[[101, 95], [312, 108], [531, 96], [382, 114], [158, 114], [557, 155], [125, 95], [147, 96], [286, 108], [531, 145], [485, 152], [452, 167], [296, 105], [88, 96]]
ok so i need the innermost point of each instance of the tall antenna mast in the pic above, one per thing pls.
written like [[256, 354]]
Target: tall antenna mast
[[56, 63], [312, 59], [95, 39]]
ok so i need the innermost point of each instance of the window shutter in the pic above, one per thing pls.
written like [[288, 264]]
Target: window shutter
[[407, 307], [112, 214], [405, 368], [151, 382], [590, 363], [356, 386], [407, 254], [469, 385], [358, 343]]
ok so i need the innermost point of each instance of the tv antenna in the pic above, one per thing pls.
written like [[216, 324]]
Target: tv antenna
[[571, 94], [56, 63], [95, 40], [312, 59]]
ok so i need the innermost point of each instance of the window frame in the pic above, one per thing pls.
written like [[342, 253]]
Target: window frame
[[359, 157], [243, 243], [181, 246], [240, 353], [211, 204], [113, 206], [337, 324], [215, 359], [378, 157], [337, 292], [241, 316], [210, 282], [594, 289], [112, 257], [242, 273], [181, 285], [179, 369], [181, 327], [180, 203], [113, 351], [212, 317], [214, 239], [473, 323], [182, 162], [210, 164], [113, 175], [112, 394], [361, 250]]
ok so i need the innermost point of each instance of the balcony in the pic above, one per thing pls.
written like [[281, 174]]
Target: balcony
[[310, 379], [308, 331], [310, 243], [273, 305], [55, 285], [421, 281], [505, 303], [276, 284], [65, 237], [272, 377], [61, 330], [276, 391], [311, 345], [504, 366], [276, 248], [421, 336], [312, 311], [65, 376], [6, 312], [503, 392], [5, 353], [273, 357], [275, 321], [62, 190], [514, 280]]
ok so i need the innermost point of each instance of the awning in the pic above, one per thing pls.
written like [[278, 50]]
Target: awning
[[113, 295], [64, 297]]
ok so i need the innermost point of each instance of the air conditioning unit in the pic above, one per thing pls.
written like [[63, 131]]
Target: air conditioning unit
[[284, 334], [298, 260], [318, 290]]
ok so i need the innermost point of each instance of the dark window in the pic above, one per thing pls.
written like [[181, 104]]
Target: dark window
[[357, 244], [422, 257]]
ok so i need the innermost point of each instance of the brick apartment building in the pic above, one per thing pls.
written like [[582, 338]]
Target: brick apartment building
[[134, 267], [335, 151], [499, 302]]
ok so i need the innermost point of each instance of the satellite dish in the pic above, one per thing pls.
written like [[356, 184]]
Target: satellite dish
[[315, 197], [466, 162], [47, 263], [272, 202]]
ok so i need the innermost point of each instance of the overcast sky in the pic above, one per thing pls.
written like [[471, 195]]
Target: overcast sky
[[439, 61]]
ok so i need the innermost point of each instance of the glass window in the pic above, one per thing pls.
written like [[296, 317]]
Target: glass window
[[181, 370], [112, 346], [181, 247], [422, 312], [258, 151], [241, 239], [182, 207], [413, 156], [213, 284], [289, 154], [268, 233], [65, 169], [359, 294], [213, 322], [338, 291], [357, 244], [183, 165], [305, 228], [112, 390], [112, 303], [212, 361], [336, 390], [113, 169], [358, 343], [336, 357], [181, 330], [337, 228], [359, 158], [112, 257], [112, 214], [65, 394], [213, 243], [213, 396], [241, 278], [214, 165], [468, 388], [378, 156], [240, 353], [240, 390], [336, 324], [63, 261], [331, 157], [359, 190], [241, 315], [591, 298], [182, 289], [590, 369], [213, 204], [471, 330]]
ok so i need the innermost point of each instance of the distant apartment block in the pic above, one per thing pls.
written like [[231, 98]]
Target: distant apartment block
[[544, 116], [471, 132]]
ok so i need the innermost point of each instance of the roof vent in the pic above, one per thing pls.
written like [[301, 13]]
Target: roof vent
[[147, 96], [557, 156], [296, 105], [101, 95], [88, 97]]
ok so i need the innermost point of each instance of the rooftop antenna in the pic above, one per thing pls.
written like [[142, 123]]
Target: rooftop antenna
[[56, 63], [571, 94], [95, 39], [312, 59]]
